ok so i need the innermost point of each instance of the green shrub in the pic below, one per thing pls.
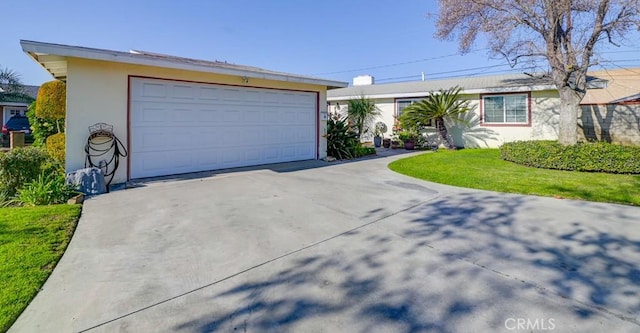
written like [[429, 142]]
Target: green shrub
[[56, 147], [360, 151], [342, 140], [594, 157], [41, 128], [408, 136], [52, 100], [47, 189], [18, 167]]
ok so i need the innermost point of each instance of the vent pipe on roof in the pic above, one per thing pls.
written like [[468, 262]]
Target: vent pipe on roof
[[422, 76], [363, 80]]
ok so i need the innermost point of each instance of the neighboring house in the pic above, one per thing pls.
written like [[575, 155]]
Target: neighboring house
[[177, 115], [508, 107], [16, 104], [613, 113]]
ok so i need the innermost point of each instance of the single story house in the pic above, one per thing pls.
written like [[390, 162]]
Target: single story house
[[508, 107], [16, 104], [178, 115]]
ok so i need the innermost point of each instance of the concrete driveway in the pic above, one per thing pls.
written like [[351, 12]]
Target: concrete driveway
[[329, 247]]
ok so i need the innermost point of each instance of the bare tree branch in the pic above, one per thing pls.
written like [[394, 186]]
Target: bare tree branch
[[565, 32]]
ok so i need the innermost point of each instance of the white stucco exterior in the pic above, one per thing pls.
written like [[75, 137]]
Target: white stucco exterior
[[543, 125]]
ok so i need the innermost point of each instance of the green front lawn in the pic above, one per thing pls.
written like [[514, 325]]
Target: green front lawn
[[483, 169], [32, 240]]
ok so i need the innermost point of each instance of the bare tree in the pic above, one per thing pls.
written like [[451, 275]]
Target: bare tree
[[564, 32]]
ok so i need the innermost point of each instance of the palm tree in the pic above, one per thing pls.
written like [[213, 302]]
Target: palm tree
[[10, 84], [362, 112], [438, 106]]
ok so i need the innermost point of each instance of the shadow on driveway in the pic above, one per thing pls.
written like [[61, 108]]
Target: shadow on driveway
[[277, 167], [462, 263]]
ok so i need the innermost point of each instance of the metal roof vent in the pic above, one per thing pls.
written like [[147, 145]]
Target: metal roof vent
[[363, 80]]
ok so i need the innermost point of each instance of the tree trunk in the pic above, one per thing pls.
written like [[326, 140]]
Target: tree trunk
[[444, 134], [569, 110]]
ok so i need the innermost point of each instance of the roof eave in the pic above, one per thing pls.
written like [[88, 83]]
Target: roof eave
[[493, 90], [36, 49]]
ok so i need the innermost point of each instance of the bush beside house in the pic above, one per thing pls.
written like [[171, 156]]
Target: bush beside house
[[29, 176], [343, 141], [41, 128]]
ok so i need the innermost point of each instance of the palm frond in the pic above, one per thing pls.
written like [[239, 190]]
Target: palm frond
[[362, 112]]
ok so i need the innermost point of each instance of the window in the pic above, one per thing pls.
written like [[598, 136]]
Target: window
[[15, 112], [10, 111], [505, 109], [401, 104]]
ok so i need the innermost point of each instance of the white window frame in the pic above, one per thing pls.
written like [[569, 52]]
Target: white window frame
[[10, 111], [412, 100], [527, 106]]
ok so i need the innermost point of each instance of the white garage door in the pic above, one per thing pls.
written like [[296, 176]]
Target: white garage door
[[179, 127]]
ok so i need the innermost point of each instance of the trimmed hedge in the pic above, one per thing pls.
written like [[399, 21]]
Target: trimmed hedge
[[52, 100], [41, 128], [592, 156], [56, 147]]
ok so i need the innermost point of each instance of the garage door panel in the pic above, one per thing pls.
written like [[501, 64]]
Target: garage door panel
[[289, 152], [149, 113], [154, 90], [206, 138], [208, 93], [209, 159], [253, 155], [159, 161], [231, 116], [154, 142], [181, 127], [252, 115], [253, 135], [207, 115], [183, 114], [305, 118], [230, 157], [304, 150], [183, 92]]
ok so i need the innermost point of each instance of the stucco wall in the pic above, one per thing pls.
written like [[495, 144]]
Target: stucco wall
[[97, 91], [618, 123], [544, 120], [385, 106]]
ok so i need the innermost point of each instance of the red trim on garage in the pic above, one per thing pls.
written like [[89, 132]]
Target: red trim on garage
[[317, 125], [130, 77], [129, 128], [527, 124]]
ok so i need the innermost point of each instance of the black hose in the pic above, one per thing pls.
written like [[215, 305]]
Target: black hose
[[95, 150]]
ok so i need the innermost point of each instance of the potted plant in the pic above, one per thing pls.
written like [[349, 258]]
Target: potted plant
[[408, 138], [378, 133], [386, 142], [395, 141]]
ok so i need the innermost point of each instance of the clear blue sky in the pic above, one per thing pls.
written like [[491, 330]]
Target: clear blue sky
[[297, 36]]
